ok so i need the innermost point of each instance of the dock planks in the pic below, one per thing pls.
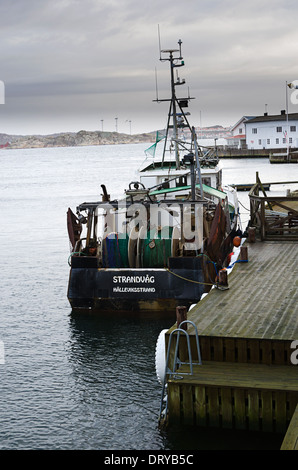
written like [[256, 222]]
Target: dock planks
[[262, 299], [247, 380], [248, 376], [290, 441]]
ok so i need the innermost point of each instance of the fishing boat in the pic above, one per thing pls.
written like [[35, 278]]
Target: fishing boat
[[165, 241]]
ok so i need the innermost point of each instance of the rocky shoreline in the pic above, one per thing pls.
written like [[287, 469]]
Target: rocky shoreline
[[72, 139]]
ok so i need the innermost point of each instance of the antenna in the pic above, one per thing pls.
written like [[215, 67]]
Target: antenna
[[180, 43], [159, 42], [156, 88]]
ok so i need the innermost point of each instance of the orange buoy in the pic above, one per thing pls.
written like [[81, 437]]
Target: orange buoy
[[236, 241]]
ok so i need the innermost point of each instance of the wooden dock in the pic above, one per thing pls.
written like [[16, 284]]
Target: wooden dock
[[291, 157], [230, 152], [248, 379], [290, 441], [247, 187]]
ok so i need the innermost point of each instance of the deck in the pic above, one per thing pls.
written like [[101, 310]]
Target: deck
[[248, 378], [262, 299]]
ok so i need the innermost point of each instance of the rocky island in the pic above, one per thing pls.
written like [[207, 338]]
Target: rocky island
[[72, 139]]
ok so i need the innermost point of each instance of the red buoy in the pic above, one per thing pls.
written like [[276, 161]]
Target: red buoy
[[236, 241]]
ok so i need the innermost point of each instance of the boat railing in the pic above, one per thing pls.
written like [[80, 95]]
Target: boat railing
[[274, 217]]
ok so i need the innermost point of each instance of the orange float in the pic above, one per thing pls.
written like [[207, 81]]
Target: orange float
[[236, 241]]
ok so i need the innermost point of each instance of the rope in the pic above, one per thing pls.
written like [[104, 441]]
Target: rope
[[210, 261], [248, 210], [75, 253], [237, 261], [190, 280], [206, 283]]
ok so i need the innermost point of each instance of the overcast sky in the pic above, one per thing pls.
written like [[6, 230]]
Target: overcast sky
[[69, 65]]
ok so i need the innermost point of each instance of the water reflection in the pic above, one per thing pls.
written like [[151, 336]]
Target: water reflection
[[81, 382], [113, 363], [194, 438]]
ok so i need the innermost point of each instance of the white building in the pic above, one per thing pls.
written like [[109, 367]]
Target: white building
[[272, 132], [238, 136]]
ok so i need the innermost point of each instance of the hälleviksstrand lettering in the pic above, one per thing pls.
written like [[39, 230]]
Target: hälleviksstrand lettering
[[133, 289]]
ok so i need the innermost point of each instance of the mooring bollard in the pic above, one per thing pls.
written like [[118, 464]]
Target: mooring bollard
[[223, 277], [243, 253], [251, 234], [181, 315]]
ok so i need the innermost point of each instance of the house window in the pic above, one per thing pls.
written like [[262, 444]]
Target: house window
[[240, 130], [293, 128], [284, 141], [268, 141], [206, 181], [277, 141], [181, 181], [260, 142], [290, 140], [254, 130], [279, 129]]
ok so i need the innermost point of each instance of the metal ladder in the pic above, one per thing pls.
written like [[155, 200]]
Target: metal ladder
[[175, 373]]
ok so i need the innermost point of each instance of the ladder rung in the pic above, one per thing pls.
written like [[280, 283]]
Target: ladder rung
[[177, 361]]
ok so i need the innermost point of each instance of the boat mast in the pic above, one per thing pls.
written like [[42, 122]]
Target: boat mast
[[175, 128], [174, 63]]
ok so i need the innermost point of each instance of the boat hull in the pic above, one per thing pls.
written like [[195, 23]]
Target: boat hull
[[124, 289]]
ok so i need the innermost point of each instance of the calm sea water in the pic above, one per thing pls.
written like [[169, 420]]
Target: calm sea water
[[71, 382]]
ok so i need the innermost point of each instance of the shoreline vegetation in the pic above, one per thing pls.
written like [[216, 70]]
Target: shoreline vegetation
[[72, 139]]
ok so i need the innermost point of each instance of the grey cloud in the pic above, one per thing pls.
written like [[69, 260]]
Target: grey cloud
[[88, 57]]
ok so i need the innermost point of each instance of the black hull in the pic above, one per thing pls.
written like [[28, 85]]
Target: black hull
[[135, 290]]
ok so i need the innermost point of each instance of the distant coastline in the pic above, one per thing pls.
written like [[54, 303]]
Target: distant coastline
[[72, 139]]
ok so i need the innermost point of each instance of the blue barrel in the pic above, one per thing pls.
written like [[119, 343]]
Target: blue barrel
[[115, 251]]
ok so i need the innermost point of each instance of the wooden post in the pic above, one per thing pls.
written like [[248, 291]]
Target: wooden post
[[243, 253], [181, 315], [223, 277], [263, 221], [251, 234]]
